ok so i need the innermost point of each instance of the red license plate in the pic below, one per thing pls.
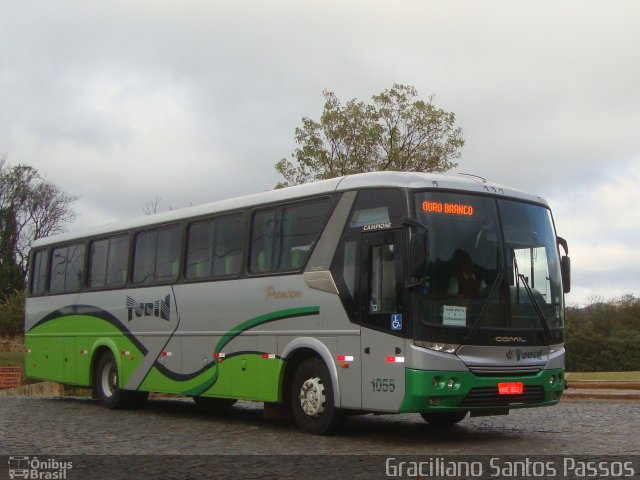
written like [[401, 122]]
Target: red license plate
[[511, 388]]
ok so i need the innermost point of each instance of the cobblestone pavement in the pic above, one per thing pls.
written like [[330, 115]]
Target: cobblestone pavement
[[177, 427], [168, 437]]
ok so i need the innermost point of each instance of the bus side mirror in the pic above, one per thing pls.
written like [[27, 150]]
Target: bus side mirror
[[418, 254], [565, 266]]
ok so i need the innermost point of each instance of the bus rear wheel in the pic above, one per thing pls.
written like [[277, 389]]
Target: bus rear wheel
[[312, 399], [107, 389], [444, 419]]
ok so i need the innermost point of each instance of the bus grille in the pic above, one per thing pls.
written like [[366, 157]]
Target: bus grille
[[489, 397], [520, 371]]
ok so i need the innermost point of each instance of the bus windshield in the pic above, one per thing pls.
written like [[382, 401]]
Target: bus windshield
[[492, 264]]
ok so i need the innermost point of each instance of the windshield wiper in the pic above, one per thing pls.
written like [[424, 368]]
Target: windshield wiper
[[534, 302], [485, 306]]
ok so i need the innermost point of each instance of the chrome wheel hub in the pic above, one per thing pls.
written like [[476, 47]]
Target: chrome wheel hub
[[312, 398], [109, 380]]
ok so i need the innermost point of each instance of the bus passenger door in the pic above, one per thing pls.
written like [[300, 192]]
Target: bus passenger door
[[381, 303]]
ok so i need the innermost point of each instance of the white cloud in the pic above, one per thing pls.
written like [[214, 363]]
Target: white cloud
[[124, 101], [602, 225]]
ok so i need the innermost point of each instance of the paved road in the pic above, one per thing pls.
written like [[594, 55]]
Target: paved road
[[73, 426]]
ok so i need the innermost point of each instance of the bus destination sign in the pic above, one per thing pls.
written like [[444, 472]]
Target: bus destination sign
[[448, 208]]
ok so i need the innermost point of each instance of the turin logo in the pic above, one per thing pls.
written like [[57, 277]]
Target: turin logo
[[159, 308]]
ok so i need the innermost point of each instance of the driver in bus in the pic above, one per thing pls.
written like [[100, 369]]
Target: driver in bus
[[465, 281]]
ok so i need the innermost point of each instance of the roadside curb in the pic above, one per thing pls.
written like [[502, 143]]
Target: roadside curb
[[42, 389], [603, 384], [600, 394]]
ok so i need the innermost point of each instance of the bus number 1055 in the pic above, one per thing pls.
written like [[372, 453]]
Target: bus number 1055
[[383, 384]]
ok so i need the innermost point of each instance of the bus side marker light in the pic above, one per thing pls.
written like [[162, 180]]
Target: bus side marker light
[[84, 352], [166, 354], [28, 350], [392, 359], [125, 352], [219, 356], [344, 358], [269, 355]]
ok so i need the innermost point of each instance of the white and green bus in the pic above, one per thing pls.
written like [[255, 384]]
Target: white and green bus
[[379, 292]]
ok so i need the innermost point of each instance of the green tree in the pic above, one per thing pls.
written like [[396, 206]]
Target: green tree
[[604, 336], [11, 278], [30, 208], [397, 131]]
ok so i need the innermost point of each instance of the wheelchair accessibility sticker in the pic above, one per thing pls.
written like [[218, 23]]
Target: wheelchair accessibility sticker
[[396, 321]]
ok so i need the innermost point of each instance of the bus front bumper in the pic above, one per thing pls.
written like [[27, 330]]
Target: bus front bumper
[[442, 391]]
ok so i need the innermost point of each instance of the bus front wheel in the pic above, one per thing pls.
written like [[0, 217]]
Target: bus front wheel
[[107, 389], [443, 419], [312, 399]]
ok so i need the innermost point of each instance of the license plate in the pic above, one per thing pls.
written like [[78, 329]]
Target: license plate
[[511, 388]]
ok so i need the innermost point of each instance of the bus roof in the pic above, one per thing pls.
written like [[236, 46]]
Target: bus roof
[[412, 180]]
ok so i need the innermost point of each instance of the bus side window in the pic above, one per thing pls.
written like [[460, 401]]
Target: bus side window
[[200, 249], [262, 233], [67, 269], [157, 255], [108, 262], [39, 272], [300, 228], [282, 239], [228, 246]]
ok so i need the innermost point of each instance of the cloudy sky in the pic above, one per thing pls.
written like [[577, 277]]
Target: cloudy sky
[[121, 102]]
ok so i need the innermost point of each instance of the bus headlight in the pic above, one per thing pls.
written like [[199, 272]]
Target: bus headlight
[[555, 348], [437, 346]]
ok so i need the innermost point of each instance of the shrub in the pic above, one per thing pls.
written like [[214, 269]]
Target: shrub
[[12, 314]]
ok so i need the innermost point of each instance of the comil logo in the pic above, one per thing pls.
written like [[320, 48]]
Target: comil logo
[[159, 308], [511, 340], [35, 468]]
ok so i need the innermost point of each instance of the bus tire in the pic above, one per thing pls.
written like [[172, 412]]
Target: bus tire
[[106, 385], [444, 419], [213, 402], [312, 399]]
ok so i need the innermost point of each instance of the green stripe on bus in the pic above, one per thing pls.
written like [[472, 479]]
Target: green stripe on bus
[[243, 327], [94, 330]]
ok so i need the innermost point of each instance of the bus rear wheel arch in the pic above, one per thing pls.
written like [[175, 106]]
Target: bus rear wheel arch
[[312, 400], [106, 385]]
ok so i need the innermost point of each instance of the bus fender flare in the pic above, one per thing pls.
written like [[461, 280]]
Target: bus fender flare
[[324, 353]]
